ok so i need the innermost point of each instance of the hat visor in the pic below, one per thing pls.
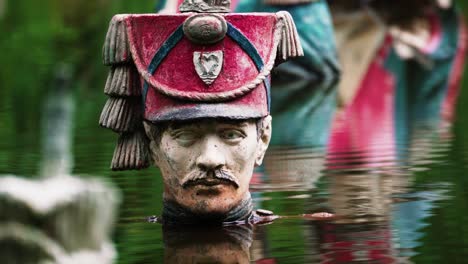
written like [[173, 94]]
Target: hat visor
[[200, 111]]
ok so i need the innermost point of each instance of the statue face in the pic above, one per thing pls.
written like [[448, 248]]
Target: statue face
[[207, 164]]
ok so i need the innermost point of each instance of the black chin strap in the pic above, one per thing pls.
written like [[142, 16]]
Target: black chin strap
[[175, 214]]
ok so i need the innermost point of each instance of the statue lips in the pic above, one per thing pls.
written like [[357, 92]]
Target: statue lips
[[210, 179]]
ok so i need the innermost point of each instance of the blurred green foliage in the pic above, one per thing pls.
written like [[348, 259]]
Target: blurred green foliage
[[38, 39]]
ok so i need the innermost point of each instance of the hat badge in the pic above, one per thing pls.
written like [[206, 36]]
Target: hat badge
[[208, 65]]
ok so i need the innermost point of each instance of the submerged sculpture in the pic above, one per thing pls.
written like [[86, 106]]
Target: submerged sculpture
[[192, 92]]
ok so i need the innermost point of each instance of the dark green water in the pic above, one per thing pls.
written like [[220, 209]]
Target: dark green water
[[411, 210]]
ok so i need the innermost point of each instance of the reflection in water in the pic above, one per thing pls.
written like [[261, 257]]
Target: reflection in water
[[223, 245], [381, 217], [368, 176], [207, 245], [290, 168], [359, 197], [57, 218], [351, 243], [370, 180], [408, 217]]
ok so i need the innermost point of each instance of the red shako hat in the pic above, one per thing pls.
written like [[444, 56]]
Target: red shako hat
[[202, 63]]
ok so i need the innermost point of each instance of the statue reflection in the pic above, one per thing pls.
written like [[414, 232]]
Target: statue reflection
[[363, 232], [223, 245], [290, 169], [58, 217], [207, 245], [381, 219]]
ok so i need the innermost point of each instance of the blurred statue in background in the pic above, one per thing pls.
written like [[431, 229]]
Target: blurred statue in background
[[191, 92], [61, 219], [57, 218], [402, 65], [402, 62]]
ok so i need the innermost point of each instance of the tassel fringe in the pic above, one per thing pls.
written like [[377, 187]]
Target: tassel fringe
[[290, 44], [116, 48], [123, 111], [123, 80], [132, 152], [287, 2], [121, 114]]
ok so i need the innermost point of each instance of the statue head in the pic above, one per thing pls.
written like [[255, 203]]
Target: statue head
[[191, 93], [207, 164]]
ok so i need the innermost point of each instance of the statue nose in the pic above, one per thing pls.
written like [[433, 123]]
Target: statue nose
[[211, 155]]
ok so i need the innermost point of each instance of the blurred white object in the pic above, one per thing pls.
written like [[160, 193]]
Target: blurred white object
[[63, 219], [444, 3], [57, 218]]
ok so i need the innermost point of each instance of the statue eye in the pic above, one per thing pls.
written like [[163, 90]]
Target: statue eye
[[185, 137], [232, 135]]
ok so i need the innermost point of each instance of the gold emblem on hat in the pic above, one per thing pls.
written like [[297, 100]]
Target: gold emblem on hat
[[205, 28]]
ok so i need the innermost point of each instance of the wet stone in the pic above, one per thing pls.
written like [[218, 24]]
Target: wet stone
[[263, 212]]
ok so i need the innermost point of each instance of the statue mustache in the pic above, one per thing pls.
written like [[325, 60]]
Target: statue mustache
[[211, 177]]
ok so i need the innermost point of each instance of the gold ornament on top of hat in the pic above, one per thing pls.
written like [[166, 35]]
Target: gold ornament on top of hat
[[206, 6], [205, 28]]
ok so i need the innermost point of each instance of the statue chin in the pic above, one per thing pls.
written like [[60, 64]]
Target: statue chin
[[216, 210], [211, 202]]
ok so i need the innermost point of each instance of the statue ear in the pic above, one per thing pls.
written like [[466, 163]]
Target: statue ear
[[154, 153], [153, 146], [263, 140]]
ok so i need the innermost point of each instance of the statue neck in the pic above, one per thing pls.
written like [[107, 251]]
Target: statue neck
[[175, 214]]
